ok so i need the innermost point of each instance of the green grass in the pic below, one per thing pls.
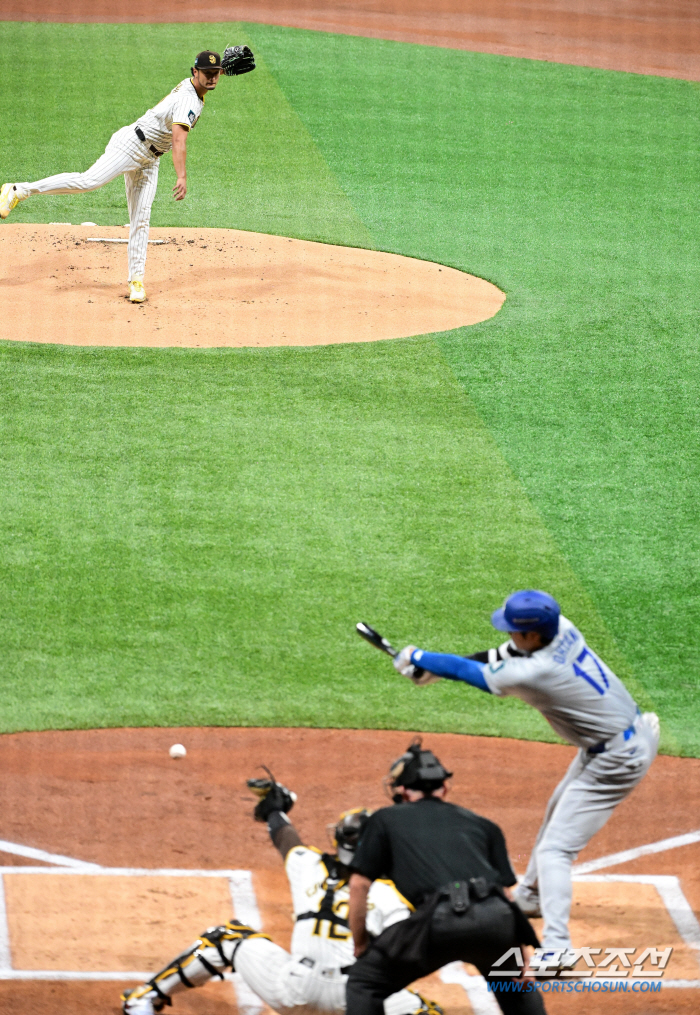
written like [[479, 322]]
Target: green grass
[[250, 159], [189, 537]]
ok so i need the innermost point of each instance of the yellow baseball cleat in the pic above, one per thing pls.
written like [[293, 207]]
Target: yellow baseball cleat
[[9, 199], [137, 293]]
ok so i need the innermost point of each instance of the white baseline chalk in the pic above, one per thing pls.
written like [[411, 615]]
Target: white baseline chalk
[[481, 1000], [669, 888], [613, 859], [245, 909], [124, 872], [5, 954], [40, 854], [62, 974], [245, 904]]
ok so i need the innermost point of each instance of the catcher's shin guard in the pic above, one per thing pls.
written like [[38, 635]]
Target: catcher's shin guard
[[209, 956]]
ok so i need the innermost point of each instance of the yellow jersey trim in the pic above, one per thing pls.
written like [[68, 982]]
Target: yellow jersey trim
[[390, 883], [311, 849]]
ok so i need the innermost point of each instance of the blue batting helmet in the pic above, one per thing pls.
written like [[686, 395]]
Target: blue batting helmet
[[528, 610]]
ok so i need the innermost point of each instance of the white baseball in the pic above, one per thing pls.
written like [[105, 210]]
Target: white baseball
[[177, 751]]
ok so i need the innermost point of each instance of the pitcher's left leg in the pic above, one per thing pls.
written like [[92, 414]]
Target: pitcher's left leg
[[141, 185]]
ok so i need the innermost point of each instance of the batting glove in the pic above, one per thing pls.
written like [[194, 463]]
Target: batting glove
[[402, 662], [406, 668]]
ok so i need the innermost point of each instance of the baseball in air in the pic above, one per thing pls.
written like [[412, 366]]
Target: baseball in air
[[177, 751]]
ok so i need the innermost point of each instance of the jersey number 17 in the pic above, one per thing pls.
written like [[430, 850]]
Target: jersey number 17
[[591, 670]]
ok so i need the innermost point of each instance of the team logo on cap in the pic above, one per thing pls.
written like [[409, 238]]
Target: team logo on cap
[[212, 58]]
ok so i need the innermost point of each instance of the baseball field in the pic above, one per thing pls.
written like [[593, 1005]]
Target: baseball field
[[190, 533]]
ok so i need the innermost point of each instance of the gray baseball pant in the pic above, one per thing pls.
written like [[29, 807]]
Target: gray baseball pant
[[124, 156], [579, 807]]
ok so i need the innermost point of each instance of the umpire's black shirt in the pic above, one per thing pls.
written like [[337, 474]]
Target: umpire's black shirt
[[424, 845]]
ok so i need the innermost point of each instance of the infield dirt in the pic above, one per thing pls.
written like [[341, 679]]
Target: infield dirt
[[116, 798], [224, 287], [645, 36]]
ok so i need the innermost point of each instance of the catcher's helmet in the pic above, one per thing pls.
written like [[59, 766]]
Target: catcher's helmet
[[346, 833], [416, 769], [528, 610]]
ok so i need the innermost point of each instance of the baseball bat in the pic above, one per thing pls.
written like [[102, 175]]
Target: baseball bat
[[375, 638]]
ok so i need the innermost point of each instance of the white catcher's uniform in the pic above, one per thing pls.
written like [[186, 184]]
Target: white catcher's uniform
[[589, 706], [136, 159], [310, 979]]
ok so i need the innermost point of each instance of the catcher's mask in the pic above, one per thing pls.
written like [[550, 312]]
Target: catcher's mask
[[416, 769], [346, 833]]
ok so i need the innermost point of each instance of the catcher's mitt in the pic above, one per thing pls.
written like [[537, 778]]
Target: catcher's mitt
[[237, 60], [273, 796]]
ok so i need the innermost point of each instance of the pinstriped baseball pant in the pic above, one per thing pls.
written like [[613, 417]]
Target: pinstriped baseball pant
[[290, 987], [288, 984], [124, 156]]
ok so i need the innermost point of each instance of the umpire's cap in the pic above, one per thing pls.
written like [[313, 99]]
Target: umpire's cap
[[528, 610], [417, 769]]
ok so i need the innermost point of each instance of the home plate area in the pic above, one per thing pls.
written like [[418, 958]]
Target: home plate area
[[82, 925], [114, 859]]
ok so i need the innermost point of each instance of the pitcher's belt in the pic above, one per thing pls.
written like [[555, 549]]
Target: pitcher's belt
[[142, 137]]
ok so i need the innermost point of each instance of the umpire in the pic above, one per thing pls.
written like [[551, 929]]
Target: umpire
[[452, 866]]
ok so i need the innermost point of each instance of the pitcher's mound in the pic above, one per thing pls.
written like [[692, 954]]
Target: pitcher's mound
[[224, 287]]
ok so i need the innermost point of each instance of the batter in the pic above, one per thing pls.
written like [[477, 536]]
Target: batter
[[312, 978], [548, 664], [134, 152]]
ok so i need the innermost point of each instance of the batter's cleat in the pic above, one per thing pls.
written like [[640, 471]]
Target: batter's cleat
[[137, 293], [9, 199], [528, 901], [137, 1001]]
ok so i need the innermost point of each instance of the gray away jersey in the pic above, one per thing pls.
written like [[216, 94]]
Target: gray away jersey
[[579, 696]]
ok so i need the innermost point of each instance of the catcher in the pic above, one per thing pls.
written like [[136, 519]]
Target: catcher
[[312, 978], [133, 152]]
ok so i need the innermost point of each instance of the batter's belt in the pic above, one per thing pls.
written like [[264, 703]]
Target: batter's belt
[[617, 740], [142, 137]]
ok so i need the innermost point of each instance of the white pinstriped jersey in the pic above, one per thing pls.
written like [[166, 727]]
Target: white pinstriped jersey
[[182, 106], [579, 696], [327, 943]]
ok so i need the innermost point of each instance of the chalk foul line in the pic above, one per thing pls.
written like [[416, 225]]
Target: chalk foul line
[[613, 859], [16, 849]]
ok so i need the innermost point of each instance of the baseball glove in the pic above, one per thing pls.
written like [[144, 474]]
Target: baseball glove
[[273, 796], [237, 60]]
